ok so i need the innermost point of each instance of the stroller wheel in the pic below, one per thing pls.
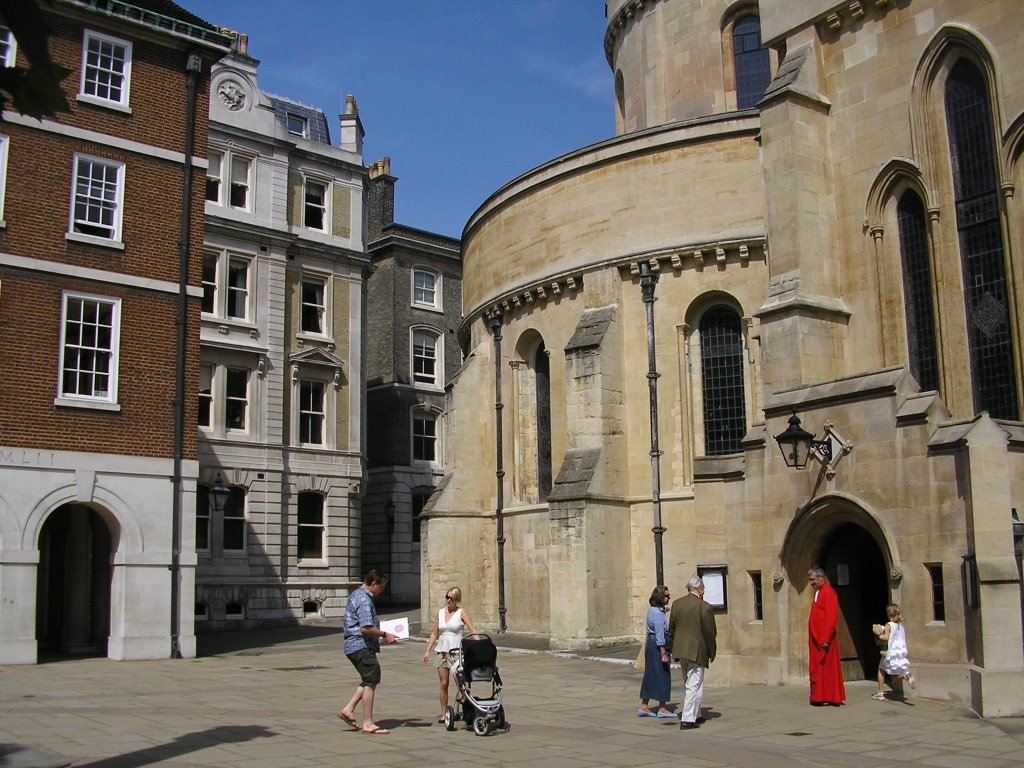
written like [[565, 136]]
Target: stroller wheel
[[481, 726], [449, 719]]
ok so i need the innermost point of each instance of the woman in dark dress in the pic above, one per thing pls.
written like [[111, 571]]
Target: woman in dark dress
[[657, 682]]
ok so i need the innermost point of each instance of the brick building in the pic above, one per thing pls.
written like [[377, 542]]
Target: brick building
[[100, 233]]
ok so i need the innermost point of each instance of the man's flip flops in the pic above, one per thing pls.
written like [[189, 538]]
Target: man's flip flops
[[350, 720], [376, 731]]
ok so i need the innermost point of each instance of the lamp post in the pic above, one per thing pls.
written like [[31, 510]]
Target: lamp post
[[796, 444], [648, 281]]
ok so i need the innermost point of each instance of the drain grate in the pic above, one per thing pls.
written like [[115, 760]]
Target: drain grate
[[798, 733]]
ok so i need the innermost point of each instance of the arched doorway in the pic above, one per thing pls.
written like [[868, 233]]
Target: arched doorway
[[840, 536], [857, 571], [73, 584]]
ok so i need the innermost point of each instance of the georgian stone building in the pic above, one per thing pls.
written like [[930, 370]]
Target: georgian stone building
[[281, 382], [101, 219], [825, 194], [412, 353]]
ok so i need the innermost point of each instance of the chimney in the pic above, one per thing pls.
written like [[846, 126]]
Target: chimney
[[351, 127], [381, 198]]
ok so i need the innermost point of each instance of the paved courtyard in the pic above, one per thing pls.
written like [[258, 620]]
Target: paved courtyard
[[269, 700]]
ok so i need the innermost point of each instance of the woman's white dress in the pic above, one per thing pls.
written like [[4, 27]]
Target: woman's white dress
[[450, 631], [896, 661]]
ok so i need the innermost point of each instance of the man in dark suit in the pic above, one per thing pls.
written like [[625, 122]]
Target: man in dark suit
[[692, 635]]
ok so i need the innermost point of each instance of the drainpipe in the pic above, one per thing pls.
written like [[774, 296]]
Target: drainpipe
[[494, 322], [648, 281], [192, 67]]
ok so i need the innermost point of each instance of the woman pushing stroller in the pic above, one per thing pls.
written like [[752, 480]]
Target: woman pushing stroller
[[446, 641]]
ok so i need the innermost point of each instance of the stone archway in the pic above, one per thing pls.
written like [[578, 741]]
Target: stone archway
[[840, 536], [73, 582]]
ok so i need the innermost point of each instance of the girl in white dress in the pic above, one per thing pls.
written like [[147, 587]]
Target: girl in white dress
[[896, 662], [446, 640]]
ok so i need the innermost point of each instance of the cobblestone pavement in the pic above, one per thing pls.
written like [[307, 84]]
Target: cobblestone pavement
[[269, 700]]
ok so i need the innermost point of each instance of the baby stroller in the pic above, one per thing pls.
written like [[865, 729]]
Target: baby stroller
[[476, 664]]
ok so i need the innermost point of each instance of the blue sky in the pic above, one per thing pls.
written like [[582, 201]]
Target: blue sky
[[462, 95]]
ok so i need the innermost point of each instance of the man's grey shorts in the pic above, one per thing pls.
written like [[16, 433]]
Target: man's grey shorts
[[365, 660]]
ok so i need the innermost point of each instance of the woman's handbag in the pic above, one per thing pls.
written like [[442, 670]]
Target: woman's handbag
[[639, 663]]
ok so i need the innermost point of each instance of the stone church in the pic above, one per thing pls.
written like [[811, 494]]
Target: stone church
[[804, 228]]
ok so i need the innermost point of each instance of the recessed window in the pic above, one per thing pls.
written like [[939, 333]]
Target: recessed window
[[90, 332], [721, 360], [202, 517], [315, 208], [202, 611], [234, 611], [227, 289], [106, 69], [233, 524], [310, 608], [917, 290], [237, 399], [297, 124], [755, 583], [97, 198], [419, 501], [751, 62], [426, 357], [938, 592], [8, 46], [314, 307], [311, 526], [238, 183], [311, 412], [424, 436], [425, 285]]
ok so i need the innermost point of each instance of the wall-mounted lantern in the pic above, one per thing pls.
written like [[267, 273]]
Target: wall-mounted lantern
[[798, 445]]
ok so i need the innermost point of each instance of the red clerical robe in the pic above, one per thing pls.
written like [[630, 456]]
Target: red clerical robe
[[824, 668]]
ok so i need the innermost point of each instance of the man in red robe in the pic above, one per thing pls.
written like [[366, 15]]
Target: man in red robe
[[823, 665]]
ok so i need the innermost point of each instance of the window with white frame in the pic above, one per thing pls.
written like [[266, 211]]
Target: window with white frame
[[4, 141], [106, 69], [97, 198], [233, 523], [233, 191], [236, 399], [426, 357], [424, 436], [312, 412], [426, 289], [225, 395], [315, 205], [310, 537], [90, 330], [8, 45], [297, 124], [205, 408], [227, 285], [313, 301]]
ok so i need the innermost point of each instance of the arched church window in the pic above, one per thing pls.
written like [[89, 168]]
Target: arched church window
[[751, 62], [976, 190], [721, 363], [542, 369], [917, 290]]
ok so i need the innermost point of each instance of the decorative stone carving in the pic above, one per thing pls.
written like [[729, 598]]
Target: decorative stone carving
[[896, 574], [778, 578], [231, 95]]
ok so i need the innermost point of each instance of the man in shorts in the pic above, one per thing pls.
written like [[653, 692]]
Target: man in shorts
[[362, 643]]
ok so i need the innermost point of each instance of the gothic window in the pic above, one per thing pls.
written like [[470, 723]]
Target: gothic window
[[976, 190], [752, 65], [721, 358], [917, 290], [542, 368]]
